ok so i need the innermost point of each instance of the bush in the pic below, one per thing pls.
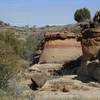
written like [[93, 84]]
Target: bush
[[96, 18], [16, 49], [33, 43], [13, 53], [9, 57], [8, 61], [82, 15]]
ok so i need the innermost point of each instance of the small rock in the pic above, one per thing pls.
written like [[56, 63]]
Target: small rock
[[33, 68], [55, 87], [67, 88]]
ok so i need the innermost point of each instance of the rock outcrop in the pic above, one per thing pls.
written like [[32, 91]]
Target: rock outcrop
[[60, 48], [90, 42]]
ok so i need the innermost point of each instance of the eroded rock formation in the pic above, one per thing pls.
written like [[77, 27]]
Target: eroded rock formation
[[60, 48], [90, 42]]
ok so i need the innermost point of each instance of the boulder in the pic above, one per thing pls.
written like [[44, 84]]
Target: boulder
[[38, 80]]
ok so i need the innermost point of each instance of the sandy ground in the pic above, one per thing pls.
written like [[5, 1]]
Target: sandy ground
[[78, 90], [59, 87]]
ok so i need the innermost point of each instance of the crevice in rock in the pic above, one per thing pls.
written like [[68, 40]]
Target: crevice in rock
[[34, 85]]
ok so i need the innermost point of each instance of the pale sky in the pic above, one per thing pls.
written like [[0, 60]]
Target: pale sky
[[43, 12]]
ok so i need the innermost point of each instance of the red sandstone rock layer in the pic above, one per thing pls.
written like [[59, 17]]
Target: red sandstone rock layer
[[61, 51]]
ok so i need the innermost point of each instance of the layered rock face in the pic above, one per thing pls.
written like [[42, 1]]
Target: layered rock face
[[60, 48], [91, 44], [91, 53]]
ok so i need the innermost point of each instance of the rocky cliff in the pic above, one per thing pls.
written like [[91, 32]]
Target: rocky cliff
[[60, 48]]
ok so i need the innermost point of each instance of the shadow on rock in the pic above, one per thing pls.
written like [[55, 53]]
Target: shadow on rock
[[69, 68], [90, 72], [84, 79]]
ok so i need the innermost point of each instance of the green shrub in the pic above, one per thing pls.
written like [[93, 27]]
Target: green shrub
[[8, 61], [9, 57], [13, 53], [33, 42], [82, 15], [96, 18]]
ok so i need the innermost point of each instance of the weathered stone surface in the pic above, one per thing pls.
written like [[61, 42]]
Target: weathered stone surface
[[38, 80], [90, 48], [69, 88], [90, 64], [48, 69], [60, 51], [96, 74], [60, 47]]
